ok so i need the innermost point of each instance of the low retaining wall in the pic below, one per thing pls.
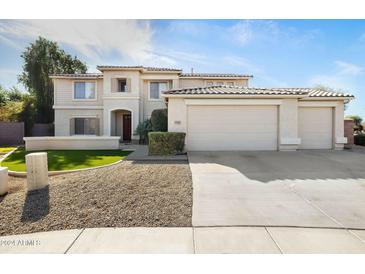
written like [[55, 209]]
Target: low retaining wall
[[71, 143]]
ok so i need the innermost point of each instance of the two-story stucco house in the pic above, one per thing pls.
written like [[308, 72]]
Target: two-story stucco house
[[113, 102], [216, 111]]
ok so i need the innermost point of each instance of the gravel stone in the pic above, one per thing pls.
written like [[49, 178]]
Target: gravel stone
[[147, 194]]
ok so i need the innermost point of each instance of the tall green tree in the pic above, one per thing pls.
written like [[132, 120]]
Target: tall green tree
[[41, 59]]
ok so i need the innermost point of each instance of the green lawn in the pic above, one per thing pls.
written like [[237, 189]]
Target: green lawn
[[4, 150], [66, 159]]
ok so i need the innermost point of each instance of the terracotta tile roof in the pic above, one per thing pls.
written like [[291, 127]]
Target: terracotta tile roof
[[223, 75], [236, 90], [78, 75], [138, 67]]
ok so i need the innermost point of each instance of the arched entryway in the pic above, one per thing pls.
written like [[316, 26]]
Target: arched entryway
[[121, 124]]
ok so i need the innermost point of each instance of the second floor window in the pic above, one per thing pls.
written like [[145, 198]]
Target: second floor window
[[156, 88], [122, 85], [84, 90]]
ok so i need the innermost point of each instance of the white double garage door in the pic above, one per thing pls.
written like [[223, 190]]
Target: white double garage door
[[218, 128]]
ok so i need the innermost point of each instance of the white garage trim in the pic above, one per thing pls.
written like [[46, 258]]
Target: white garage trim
[[234, 102], [239, 127], [319, 103], [316, 127]]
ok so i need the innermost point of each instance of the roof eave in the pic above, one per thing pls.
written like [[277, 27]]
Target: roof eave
[[101, 68], [233, 96], [217, 77], [162, 71], [328, 98], [77, 77]]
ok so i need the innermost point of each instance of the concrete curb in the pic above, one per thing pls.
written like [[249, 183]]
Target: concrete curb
[[193, 240]]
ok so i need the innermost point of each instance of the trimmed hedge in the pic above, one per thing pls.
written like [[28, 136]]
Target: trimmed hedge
[[166, 143], [159, 120], [359, 139]]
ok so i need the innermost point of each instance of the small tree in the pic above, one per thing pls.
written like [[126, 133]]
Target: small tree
[[358, 128], [159, 120], [142, 129], [3, 97]]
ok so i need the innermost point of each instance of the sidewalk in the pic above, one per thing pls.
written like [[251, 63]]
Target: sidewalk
[[188, 240]]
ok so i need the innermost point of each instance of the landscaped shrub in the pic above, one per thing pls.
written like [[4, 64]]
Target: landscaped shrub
[[142, 129], [159, 120], [166, 143], [359, 139]]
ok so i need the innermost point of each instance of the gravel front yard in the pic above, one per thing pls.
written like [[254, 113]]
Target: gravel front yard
[[128, 194]]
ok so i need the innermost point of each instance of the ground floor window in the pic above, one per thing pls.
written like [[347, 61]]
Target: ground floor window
[[86, 126]]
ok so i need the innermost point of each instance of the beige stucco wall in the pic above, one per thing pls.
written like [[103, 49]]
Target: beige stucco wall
[[149, 105], [187, 83], [176, 110], [109, 89], [200, 82], [63, 117], [63, 95], [135, 100], [288, 124], [287, 116], [116, 126], [110, 104]]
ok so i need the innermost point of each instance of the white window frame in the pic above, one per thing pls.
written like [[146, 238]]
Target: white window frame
[[207, 83], [85, 117], [233, 83], [126, 85], [149, 89], [84, 81]]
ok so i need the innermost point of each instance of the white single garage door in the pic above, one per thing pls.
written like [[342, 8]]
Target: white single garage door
[[232, 128], [315, 127]]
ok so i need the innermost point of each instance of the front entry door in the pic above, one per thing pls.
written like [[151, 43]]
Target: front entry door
[[127, 126]]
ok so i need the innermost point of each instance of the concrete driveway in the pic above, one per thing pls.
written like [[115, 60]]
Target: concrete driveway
[[303, 188]]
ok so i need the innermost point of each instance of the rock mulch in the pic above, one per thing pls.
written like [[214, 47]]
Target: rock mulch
[[128, 194]]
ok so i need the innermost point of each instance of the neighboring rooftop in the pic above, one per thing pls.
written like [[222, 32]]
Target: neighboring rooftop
[[101, 68], [77, 75], [214, 75], [236, 90]]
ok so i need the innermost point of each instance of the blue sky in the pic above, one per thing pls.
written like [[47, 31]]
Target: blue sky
[[279, 53]]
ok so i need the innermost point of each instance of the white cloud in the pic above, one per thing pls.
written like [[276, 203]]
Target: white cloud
[[94, 39], [268, 31], [342, 76], [348, 69], [242, 32], [102, 41], [250, 68]]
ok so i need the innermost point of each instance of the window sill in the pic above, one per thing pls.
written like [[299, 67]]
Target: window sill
[[85, 100]]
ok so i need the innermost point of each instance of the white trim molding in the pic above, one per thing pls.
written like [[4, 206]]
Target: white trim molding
[[230, 102], [78, 107]]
